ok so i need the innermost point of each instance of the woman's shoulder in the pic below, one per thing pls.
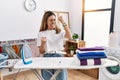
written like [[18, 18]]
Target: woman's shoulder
[[42, 32]]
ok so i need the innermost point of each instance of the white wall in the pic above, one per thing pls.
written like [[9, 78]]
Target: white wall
[[17, 23], [76, 16], [117, 19]]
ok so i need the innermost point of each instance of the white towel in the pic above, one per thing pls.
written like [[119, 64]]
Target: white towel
[[78, 51]]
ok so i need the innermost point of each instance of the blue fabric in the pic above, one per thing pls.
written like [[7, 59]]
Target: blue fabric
[[47, 73], [91, 55]]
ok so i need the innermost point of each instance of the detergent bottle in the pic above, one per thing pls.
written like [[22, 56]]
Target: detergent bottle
[[113, 39], [26, 54]]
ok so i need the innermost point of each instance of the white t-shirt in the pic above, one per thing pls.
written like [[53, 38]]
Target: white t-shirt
[[54, 41]]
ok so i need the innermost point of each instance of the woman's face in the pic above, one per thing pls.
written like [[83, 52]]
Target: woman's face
[[51, 22]]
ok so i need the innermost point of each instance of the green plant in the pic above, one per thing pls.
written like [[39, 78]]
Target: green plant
[[71, 48], [75, 36]]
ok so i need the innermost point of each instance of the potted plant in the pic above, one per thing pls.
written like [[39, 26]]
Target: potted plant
[[72, 49], [75, 37]]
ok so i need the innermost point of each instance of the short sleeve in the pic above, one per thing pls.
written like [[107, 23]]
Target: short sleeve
[[62, 33]]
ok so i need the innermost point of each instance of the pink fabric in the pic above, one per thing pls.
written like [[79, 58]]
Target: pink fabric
[[35, 50]]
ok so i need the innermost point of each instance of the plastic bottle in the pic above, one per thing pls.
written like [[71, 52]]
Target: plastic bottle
[[113, 39]]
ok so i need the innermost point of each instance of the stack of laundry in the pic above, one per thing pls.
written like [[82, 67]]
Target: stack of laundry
[[90, 56]]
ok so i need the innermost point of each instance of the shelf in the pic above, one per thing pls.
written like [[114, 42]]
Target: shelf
[[75, 44]]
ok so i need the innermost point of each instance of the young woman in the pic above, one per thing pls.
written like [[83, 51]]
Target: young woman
[[50, 39]]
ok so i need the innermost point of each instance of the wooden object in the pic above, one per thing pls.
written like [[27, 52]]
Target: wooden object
[[75, 44], [91, 72], [1, 78], [68, 55]]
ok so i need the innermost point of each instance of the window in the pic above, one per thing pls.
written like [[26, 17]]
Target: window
[[97, 21]]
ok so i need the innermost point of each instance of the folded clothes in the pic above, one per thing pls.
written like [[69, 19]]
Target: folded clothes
[[91, 49], [89, 62], [78, 51], [91, 55]]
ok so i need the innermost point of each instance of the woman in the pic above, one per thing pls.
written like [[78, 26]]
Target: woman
[[50, 39]]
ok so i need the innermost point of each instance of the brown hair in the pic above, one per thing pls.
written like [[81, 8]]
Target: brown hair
[[44, 25]]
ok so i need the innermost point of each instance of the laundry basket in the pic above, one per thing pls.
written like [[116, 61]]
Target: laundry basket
[[3, 57]]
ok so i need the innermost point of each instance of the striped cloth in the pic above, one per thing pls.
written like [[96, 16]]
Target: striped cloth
[[89, 62]]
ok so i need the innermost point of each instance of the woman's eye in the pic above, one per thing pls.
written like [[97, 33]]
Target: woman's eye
[[52, 20]]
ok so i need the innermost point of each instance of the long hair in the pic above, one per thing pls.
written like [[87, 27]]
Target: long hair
[[44, 25]]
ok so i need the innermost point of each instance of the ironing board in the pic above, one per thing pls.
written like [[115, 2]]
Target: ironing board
[[7, 64], [57, 63]]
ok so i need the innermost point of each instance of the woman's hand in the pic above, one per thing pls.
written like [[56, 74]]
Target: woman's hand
[[43, 41], [67, 29], [42, 47], [61, 19]]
